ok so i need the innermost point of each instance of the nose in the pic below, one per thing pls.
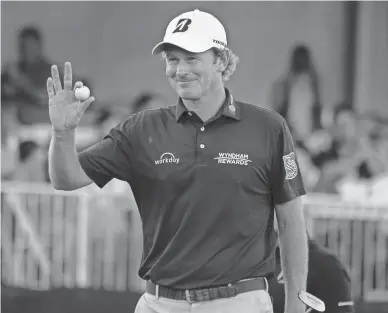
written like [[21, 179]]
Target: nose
[[182, 70]]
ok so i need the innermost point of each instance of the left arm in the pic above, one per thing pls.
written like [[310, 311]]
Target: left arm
[[293, 251], [286, 187]]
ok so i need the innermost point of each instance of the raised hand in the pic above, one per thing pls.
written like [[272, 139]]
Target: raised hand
[[65, 109]]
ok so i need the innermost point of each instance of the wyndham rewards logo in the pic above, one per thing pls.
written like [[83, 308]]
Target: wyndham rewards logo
[[233, 158], [167, 157]]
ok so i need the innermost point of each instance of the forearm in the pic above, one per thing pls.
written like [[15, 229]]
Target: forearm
[[294, 256], [65, 170]]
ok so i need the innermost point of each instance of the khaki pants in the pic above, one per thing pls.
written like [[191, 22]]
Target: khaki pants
[[257, 301]]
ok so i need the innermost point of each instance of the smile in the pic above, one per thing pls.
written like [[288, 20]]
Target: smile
[[185, 81]]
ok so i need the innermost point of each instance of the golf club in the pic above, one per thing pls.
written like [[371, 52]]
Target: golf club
[[311, 301]]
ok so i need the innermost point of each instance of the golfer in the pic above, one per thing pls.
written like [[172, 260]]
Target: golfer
[[208, 174]]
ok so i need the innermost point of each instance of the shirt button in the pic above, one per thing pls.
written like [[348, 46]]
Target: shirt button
[[202, 129], [190, 114], [202, 146]]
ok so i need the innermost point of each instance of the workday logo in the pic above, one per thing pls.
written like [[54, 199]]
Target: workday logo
[[233, 158], [167, 157]]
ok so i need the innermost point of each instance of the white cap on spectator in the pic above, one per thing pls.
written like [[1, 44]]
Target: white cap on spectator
[[194, 31]]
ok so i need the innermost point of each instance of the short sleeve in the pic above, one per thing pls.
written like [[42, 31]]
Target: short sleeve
[[286, 182], [111, 157]]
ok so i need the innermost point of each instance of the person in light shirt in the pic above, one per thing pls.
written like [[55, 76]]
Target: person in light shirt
[[296, 95]]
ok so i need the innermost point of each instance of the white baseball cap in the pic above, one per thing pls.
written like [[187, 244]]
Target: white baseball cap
[[195, 31]]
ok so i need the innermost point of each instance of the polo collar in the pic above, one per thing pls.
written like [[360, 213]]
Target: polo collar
[[230, 108]]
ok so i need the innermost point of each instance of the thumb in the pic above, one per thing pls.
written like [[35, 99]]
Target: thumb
[[85, 104]]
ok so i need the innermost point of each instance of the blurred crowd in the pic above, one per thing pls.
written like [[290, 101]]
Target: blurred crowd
[[25, 123], [339, 151]]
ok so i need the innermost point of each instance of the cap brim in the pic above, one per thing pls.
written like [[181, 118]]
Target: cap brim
[[185, 45]]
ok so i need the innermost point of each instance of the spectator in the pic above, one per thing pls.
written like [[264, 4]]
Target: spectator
[[9, 140], [309, 172], [351, 154], [379, 142], [25, 80], [328, 279], [32, 160], [147, 100], [108, 118], [296, 95]]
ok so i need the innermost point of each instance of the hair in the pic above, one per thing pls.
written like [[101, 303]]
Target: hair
[[231, 64], [300, 51], [225, 55], [30, 32], [26, 149]]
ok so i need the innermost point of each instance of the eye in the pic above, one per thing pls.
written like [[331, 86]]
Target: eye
[[172, 61], [192, 60]]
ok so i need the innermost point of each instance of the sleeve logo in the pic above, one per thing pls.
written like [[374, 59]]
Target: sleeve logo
[[290, 165], [182, 25]]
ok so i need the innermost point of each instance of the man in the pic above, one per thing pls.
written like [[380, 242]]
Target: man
[[328, 279], [145, 101], [351, 153], [207, 174], [32, 165], [23, 81], [9, 140]]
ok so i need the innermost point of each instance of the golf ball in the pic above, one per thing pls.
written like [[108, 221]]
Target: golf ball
[[82, 93]]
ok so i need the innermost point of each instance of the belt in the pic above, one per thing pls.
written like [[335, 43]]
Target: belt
[[206, 294]]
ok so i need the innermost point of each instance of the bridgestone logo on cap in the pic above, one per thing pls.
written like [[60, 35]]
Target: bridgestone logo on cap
[[182, 25]]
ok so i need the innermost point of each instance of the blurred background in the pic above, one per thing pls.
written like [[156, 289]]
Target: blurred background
[[322, 65]]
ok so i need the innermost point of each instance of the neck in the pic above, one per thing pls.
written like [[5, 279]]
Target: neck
[[208, 105]]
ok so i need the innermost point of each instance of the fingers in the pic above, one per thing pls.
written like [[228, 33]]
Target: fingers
[[77, 85], [50, 88], [56, 79], [67, 77], [84, 105]]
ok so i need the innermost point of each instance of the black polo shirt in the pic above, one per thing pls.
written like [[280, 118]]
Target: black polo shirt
[[205, 192], [327, 279]]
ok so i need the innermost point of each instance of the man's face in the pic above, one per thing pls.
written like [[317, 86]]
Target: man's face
[[30, 49], [191, 75]]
